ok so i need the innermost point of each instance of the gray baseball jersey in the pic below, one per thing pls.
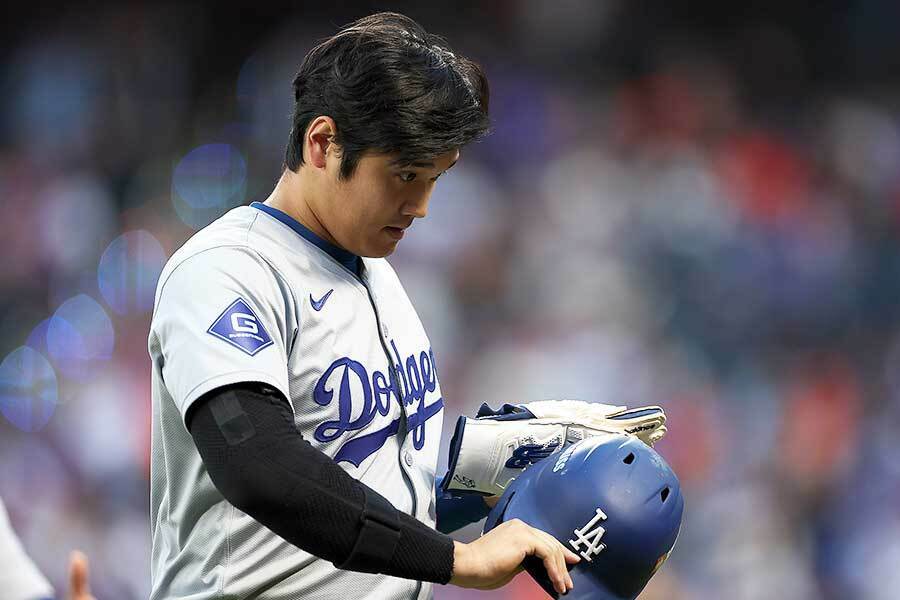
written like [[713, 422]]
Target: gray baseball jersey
[[19, 578], [249, 298]]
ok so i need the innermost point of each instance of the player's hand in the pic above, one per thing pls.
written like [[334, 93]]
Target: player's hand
[[496, 557], [78, 577]]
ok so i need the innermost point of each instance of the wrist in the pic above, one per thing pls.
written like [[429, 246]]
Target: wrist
[[460, 563]]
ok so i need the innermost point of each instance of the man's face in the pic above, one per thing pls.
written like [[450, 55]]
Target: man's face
[[368, 213]]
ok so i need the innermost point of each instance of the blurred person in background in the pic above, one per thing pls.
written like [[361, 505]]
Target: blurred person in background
[[20, 579]]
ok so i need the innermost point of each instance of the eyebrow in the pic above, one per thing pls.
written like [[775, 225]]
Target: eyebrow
[[430, 164]]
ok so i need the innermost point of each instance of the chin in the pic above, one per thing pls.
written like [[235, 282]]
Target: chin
[[384, 253], [379, 251]]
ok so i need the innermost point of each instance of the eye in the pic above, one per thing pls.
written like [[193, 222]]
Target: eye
[[408, 176]]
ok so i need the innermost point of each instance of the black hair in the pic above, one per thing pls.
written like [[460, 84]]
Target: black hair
[[391, 87]]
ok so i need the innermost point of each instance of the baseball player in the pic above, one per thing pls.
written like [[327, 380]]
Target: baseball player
[[297, 406]]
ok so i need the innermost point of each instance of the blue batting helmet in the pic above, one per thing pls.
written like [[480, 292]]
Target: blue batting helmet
[[612, 500]]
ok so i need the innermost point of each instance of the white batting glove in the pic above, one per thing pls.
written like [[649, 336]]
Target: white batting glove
[[647, 423], [489, 452]]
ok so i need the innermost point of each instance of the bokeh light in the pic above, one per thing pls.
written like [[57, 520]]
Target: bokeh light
[[37, 339], [128, 271], [80, 337], [207, 181], [76, 218], [28, 389]]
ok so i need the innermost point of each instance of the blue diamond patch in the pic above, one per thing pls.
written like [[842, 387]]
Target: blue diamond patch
[[240, 327]]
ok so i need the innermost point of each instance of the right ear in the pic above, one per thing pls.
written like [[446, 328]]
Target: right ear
[[319, 143]]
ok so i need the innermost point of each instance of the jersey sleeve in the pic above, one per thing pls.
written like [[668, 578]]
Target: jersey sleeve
[[223, 316]]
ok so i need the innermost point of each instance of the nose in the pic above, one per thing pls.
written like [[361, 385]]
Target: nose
[[416, 206]]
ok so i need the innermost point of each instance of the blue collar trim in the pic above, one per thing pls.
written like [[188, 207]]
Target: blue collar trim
[[345, 257]]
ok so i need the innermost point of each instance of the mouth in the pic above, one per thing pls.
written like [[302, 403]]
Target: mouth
[[395, 232]]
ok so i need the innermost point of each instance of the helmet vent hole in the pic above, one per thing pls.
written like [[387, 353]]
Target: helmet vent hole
[[629, 459], [664, 494]]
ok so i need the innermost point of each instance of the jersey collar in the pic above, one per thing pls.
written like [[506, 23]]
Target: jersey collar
[[350, 261]]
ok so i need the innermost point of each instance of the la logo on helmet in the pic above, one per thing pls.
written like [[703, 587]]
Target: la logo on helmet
[[590, 535]]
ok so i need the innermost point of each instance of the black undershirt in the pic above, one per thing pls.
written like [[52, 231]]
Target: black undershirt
[[261, 464]]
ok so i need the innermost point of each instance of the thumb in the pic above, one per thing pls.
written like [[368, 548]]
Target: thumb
[[78, 576]]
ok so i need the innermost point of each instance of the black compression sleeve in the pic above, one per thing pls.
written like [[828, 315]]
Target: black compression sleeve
[[262, 465]]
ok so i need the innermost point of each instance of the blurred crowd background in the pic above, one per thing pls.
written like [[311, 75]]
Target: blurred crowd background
[[695, 205]]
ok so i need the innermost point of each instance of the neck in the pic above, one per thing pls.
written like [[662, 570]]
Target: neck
[[292, 195]]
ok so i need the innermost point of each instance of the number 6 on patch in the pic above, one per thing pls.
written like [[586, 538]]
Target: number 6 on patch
[[244, 323]]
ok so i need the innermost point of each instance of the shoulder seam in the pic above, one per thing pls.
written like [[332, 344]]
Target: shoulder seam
[[278, 272], [243, 246], [249, 227]]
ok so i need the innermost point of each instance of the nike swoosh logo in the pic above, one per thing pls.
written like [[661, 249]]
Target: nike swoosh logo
[[318, 304]]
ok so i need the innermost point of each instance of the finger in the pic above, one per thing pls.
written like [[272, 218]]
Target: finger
[[548, 549], [543, 550], [571, 559], [78, 576], [553, 561], [569, 556], [556, 578], [563, 554], [563, 569], [559, 552], [561, 574]]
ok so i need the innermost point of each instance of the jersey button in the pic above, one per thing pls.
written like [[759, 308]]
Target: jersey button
[[407, 456], [384, 330]]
